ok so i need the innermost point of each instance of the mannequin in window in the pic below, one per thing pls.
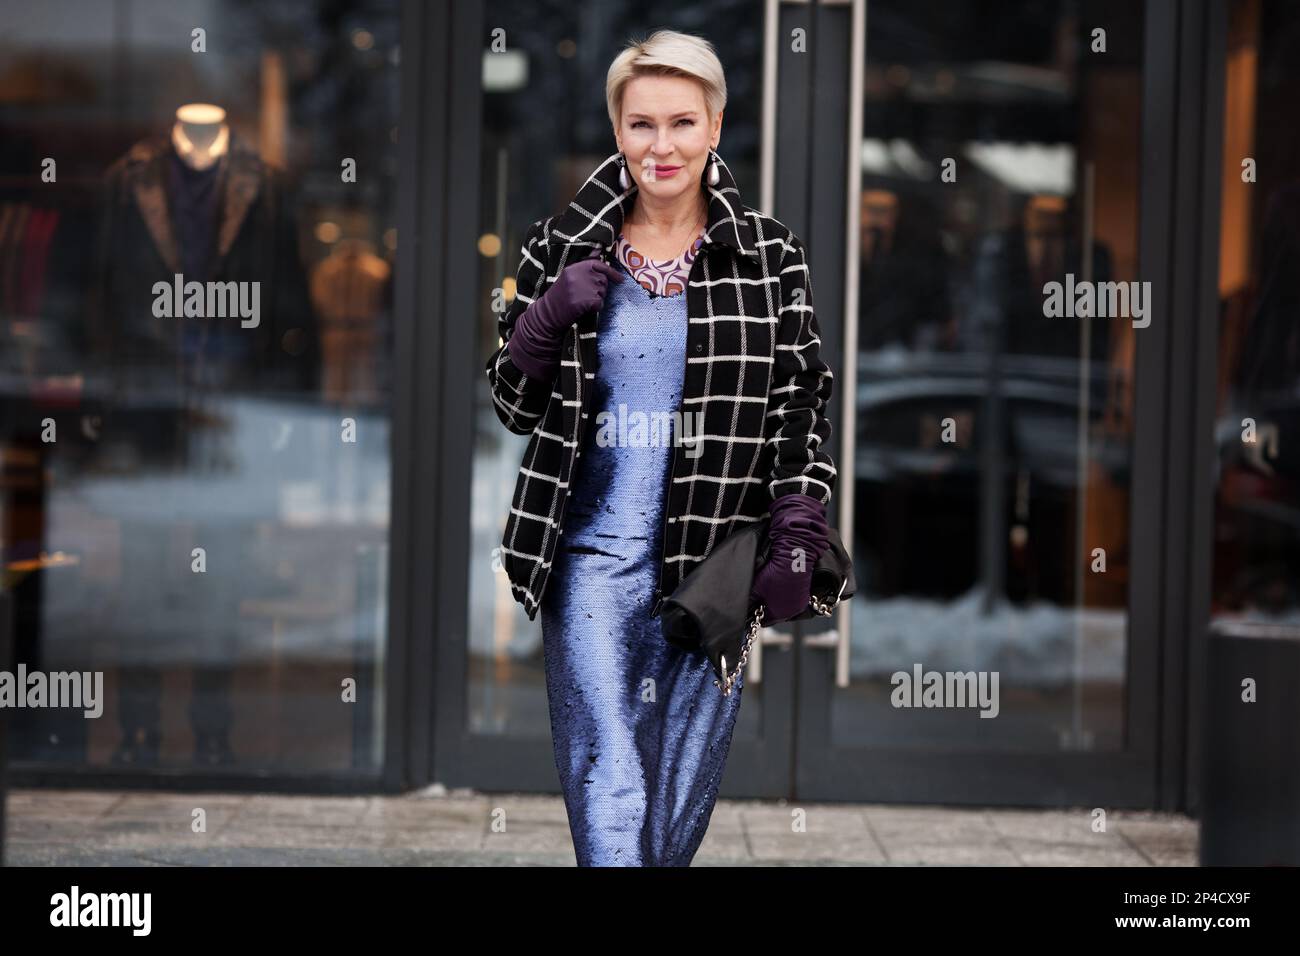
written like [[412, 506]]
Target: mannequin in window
[[1011, 267], [199, 201], [903, 298], [349, 288]]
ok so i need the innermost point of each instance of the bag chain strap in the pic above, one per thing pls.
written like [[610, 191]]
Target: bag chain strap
[[824, 608]]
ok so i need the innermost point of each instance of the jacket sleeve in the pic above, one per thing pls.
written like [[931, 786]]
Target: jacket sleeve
[[520, 400], [800, 391]]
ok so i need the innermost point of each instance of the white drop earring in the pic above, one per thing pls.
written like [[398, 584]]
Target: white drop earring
[[623, 181], [714, 173]]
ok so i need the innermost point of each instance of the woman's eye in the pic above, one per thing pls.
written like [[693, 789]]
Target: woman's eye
[[644, 123]]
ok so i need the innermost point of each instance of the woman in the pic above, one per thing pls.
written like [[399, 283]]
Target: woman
[[656, 296]]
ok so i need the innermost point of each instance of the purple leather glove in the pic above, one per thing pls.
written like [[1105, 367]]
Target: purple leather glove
[[534, 346], [798, 521]]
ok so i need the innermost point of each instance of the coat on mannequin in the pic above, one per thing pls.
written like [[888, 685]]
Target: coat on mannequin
[[199, 200]]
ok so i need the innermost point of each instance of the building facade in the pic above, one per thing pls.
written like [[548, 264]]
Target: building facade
[[1048, 243]]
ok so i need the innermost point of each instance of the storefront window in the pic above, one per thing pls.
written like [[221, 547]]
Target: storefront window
[[1257, 495], [993, 438], [196, 253]]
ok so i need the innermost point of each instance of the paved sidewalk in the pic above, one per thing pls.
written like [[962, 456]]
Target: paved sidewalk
[[436, 828]]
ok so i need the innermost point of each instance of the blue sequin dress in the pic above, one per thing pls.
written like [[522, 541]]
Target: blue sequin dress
[[640, 731]]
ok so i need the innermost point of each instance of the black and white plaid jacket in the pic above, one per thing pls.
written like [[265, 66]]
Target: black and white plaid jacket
[[752, 365]]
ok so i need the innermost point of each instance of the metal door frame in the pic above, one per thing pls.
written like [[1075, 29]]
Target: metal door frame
[[437, 573], [1149, 772], [807, 175]]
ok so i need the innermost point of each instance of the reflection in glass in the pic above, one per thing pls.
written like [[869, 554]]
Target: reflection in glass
[[195, 342], [1257, 498], [993, 439]]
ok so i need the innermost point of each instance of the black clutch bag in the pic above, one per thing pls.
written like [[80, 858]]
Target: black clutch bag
[[710, 610]]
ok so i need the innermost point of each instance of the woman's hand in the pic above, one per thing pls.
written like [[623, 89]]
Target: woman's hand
[[799, 535], [578, 289], [535, 345]]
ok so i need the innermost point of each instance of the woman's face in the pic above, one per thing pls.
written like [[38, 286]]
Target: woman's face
[[666, 135]]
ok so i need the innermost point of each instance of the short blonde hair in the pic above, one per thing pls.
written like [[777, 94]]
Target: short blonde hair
[[667, 53]]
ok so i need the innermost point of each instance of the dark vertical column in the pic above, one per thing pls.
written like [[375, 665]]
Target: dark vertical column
[[413, 525], [449, 426], [813, 112], [1250, 760], [1145, 689], [1188, 493]]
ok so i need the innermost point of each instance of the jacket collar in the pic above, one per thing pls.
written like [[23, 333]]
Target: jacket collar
[[240, 183], [595, 214]]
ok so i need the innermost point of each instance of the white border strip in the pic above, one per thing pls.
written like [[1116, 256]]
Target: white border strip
[[848, 407]]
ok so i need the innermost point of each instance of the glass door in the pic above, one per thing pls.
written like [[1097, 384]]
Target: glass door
[[997, 243], [530, 122], [1256, 540]]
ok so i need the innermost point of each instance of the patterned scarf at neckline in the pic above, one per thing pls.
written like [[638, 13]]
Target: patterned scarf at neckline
[[660, 276]]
